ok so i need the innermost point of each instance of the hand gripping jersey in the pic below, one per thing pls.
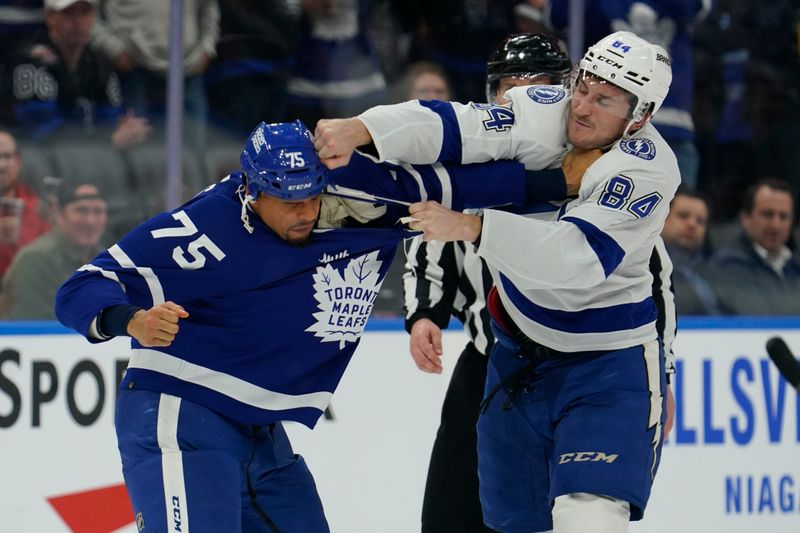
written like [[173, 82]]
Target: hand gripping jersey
[[596, 293], [272, 326]]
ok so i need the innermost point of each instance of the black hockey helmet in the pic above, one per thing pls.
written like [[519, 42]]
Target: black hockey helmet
[[525, 55]]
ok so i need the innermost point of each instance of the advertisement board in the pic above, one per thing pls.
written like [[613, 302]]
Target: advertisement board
[[731, 464]]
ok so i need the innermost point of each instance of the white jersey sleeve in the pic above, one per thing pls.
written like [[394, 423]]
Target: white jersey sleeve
[[531, 129]]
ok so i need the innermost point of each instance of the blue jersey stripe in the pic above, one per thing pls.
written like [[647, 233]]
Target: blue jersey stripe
[[598, 320], [451, 136], [528, 209], [608, 251]]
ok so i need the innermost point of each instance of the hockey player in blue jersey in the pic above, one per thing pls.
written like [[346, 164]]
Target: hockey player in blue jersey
[[244, 306], [576, 393]]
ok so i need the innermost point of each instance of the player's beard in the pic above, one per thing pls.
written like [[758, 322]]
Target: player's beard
[[298, 241], [305, 239], [301, 241]]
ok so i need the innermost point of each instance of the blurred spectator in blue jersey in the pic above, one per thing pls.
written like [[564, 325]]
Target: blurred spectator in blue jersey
[[257, 42], [56, 85], [336, 72], [31, 282], [725, 135], [459, 35], [134, 35], [748, 97], [19, 19], [685, 236], [667, 23], [757, 274]]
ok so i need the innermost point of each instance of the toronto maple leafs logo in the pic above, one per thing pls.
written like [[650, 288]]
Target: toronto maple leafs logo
[[345, 302]]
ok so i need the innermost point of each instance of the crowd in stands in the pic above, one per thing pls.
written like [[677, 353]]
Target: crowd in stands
[[83, 95]]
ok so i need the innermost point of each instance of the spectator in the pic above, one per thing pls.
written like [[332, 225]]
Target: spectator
[[757, 274], [425, 81], [20, 221], [336, 72], [257, 42], [57, 85], [684, 235], [458, 35], [529, 17], [667, 23], [134, 35], [30, 285]]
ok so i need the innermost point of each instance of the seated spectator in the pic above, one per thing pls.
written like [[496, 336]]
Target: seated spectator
[[20, 219], [757, 274], [30, 285], [684, 235], [56, 85], [424, 81]]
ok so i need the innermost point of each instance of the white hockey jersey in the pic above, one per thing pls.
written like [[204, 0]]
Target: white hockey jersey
[[579, 281]]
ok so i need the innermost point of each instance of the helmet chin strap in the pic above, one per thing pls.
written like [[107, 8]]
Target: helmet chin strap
[[627, 131], [246, 200]]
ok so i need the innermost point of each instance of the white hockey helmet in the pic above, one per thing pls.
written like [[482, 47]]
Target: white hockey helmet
[[633, 64]]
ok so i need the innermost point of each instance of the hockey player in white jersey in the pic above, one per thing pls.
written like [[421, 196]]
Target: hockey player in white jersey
[[575, 444]]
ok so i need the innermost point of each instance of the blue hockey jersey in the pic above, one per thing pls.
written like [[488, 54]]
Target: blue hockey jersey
[[271, 326]]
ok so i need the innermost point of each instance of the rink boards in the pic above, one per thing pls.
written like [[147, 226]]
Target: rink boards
[[730, 464]]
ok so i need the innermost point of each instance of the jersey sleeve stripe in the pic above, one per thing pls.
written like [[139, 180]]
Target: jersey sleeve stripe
[[609, 252], [414, 173], [153, 283], [451, 134], [444, 182], [613, 318], [105, 273]]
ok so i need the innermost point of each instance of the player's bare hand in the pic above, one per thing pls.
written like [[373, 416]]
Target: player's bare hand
[[439, 223], [575, 164], [336, 139], [670, 412], [158, 325], [426, 346]]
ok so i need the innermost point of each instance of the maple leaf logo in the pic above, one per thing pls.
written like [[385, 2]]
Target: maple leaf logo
[[345, 302]]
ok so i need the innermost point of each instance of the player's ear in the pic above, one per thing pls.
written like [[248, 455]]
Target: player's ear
[[636, 126]]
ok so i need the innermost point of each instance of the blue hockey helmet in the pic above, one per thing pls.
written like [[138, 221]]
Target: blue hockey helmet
[[280, 160]]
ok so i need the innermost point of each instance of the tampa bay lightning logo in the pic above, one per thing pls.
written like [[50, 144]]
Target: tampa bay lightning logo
[[546, 94], [643, 148]]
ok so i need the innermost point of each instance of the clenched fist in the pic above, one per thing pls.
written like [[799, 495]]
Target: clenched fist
[[158, 325], [336, 139]]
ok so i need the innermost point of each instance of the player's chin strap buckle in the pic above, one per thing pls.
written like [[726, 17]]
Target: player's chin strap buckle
[[246, 200]]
